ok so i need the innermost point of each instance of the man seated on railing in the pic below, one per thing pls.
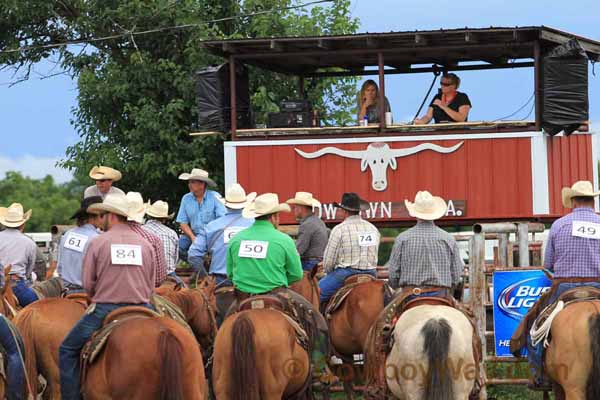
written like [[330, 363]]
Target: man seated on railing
[[449, 105]]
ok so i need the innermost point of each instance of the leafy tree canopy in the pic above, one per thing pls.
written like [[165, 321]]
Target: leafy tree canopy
[[136, 102]]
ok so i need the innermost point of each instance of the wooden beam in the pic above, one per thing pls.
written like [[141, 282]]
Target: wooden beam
[[471, 37], [228, 48], [276, 46], [421, 39], [372, 43], [561, 39], [324, 44]]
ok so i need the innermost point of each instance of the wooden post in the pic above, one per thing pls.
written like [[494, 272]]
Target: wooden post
[[301, 87], [537, 78], [381, 92], [477, 295], [232, 95], [523, 237], [503, 250]]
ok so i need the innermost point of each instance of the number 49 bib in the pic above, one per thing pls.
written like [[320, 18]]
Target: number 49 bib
[[584, 229], [126, 254]]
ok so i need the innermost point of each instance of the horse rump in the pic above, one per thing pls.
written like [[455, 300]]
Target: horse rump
[[244, 376], [593, 381], [436, 345]]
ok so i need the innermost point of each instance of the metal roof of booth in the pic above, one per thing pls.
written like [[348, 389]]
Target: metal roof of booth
[[494, 47]]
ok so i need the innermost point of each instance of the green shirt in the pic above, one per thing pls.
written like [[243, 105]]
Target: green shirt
[[260, 259]]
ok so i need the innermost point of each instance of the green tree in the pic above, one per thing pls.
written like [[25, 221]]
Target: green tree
[[136, 102], [51, 203]]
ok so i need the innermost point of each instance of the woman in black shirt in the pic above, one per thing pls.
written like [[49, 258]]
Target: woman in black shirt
[[449, 105]]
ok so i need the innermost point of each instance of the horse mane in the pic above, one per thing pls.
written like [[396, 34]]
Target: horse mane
[[183, 300]]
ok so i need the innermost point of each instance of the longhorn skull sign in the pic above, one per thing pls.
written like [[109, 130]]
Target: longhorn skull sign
[[378, 156]]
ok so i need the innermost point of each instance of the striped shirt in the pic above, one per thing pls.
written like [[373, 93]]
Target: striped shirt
[[425, 255], [352, 244], [159, 253], [571, 256], [170, 242]]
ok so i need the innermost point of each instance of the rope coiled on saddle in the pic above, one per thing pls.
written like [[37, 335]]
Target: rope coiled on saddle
[[540, 333]]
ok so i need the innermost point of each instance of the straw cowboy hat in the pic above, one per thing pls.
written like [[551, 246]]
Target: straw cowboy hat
[[265, 204], [426, 206], [579, 189], [236, 198], [101, 172], [13, 216], [197, 174], [351, 202], [85, 204], [304, 199], [114, 203], [160, 209], [137, 207]]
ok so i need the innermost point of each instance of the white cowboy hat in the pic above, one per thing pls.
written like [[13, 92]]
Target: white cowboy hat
[[114, 203], [426, 206], [265, 204], [304, 199], [137, 207], [102, 172], [579, 189], [13, 216], [236, 198], [197, 174], [160, 209]]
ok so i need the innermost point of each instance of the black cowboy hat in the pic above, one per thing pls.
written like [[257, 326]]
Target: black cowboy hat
[[85, 203], [351, 202]]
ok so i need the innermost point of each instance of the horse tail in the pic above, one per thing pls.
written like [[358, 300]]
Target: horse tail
[[593, 381], [24, 324], [244, 377], [171, 367], [436, 346]]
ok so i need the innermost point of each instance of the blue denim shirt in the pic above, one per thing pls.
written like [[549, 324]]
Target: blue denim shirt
[[213, 235], [70, 260], [198, 215]]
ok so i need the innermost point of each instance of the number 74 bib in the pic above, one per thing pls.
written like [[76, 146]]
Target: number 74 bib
[[584, 229]]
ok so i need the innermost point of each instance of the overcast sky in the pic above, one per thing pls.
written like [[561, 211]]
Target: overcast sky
[[35, 115]]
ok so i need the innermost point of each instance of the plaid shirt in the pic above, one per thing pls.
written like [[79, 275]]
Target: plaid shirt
[[571, 256], [161, 264], [170, 242], [345, 250], [425, 255]]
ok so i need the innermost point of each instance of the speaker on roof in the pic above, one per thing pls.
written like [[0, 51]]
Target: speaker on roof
[[214, 98]]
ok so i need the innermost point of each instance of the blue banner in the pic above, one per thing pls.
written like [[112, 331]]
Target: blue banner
[[515, 292]]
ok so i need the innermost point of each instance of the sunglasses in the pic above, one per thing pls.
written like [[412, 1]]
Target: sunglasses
[[446, 83]]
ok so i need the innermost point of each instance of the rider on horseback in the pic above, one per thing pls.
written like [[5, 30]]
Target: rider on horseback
[[351, 250], [119, 270], [262, 260], [573, 255], [75, 242]]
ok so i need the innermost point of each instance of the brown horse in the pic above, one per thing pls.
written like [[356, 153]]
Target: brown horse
[[148, 358], [349, 325], [573, 356], [308, 287], [8, 301], [257, 357]]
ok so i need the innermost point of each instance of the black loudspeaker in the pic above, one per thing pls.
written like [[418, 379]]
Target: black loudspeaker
[[304, 119], [565, 104], [214, 98]]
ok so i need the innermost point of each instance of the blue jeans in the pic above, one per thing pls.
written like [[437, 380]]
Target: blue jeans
[[184, 245], [222, 280], [24, 293], [70, 349], [334, 280], [15, 372], [535, 354], [177, 279], [307, 265]]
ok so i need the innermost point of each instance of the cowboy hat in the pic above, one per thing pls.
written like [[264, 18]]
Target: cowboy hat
[[304, 199], [137, 207], [265, 204], [579, 189], [197, 174], [114, 203], [160, 209], [85, 203], [13, 216], [101, 172], [426, 206], [236, 198], [351, 202]]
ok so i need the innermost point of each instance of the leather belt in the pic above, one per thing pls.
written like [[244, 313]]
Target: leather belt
[[419, 290], [557, 281]]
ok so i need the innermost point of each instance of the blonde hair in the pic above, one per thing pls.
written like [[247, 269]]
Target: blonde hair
[[361, 94]]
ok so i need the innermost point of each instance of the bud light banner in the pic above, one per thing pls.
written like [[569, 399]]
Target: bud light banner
[[515, 292]]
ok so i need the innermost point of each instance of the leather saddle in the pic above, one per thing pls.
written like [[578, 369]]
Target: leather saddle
[[81, 298], [267, 302], [342, 293]]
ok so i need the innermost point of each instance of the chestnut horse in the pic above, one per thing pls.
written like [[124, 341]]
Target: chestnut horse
[[147, 358], [308, 287], [257, 357], [349, 325], [573, 355]]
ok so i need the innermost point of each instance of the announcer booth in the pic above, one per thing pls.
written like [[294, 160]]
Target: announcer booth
[[487, 171]]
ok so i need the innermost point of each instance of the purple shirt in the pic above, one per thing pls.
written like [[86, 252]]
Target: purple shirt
[[571, 256]]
